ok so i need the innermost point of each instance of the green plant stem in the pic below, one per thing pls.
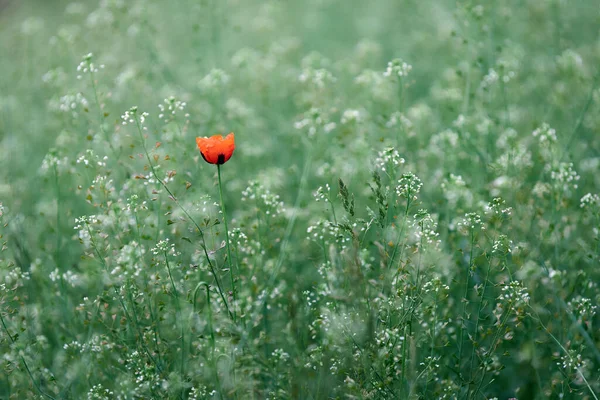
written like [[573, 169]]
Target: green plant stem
[[464, 300], [101, 114], [400, 234], [229, 261], [180, 317], [212, 339], [479, 308]]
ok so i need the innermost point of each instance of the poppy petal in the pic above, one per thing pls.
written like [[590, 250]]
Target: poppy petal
[[216, 149]]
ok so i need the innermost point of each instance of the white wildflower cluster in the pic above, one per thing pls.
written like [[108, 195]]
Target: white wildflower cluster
[[435, 285], [99, 392], [90, 159], [455, 189], [399, 119], [131, 116], [318, 78], [267, 202], [502, 245], [2, 209], [352, 116], [326, 232], [144, 373], [572, 361], [215, 79], [323, 193], [590, 201], [133, 204], [164, 247], [489, 79], [441, 142], [69, 103], [470, 222], [408, 186], [430, 363], [517, 157], [69, 277], [514, 297], [508, 66], [545, 134], [103, 183], [583, 308], [397, 68], [15, 277], [498, 207], [449, 389], [390, 342], [369, 78], [128, 260], [570, 61], [85, 220], [102, 16], [82, 226], [388, 159], [314, 121], [507, 139], [280, 356], [55, 77], [170, 107], [565, 177], [425, 229], [51, 161], [244, 245], [199, 393], [87, 66]]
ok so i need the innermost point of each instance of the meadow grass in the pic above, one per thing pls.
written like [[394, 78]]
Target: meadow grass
[[412, 210]]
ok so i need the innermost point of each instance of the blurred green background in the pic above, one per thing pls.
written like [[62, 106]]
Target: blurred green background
[[483, 77]]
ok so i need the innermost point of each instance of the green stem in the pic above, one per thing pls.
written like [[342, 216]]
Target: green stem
[[101, 114], [479, 308], [228, 244], [180, 317], [464, 309]]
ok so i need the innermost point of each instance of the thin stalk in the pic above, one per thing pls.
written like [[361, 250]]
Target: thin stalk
[[227, 240], [401, 230], [489, 353], [180, 317], [212, 340], [464, 300], [101, 114], [432, 333], [332, 209], [57, 252], [487, 274]]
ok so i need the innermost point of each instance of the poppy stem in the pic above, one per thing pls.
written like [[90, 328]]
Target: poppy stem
[[227, 240]]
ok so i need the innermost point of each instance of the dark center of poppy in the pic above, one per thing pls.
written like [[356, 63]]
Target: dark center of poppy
[[221, 159]]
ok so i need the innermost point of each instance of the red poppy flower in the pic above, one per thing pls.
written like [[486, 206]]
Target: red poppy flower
[[216, 149]]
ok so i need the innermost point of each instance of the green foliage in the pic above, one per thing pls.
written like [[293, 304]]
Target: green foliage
[[457, 258]]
